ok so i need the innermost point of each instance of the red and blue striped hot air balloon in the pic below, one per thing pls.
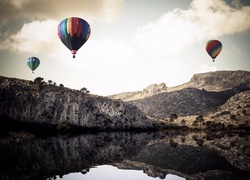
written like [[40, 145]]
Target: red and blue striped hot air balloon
[[33, 63], [213, 48], [73, 32]]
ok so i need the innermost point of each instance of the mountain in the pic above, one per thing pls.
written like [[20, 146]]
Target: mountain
[[40, 105], [210, 81], [43, 105], [186, 102]]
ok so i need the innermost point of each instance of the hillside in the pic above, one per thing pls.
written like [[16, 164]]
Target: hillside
[[40, 105], [210, 81], [185, 102], [43, 105], [233, 114]]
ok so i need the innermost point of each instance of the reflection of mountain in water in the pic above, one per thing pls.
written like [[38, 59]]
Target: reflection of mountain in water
[[156, 154]]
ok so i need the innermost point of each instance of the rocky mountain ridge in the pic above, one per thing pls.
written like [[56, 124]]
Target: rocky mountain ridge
[[45, 104], [186, 102], [210, 81]]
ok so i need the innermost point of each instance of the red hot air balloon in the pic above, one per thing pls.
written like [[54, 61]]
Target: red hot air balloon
[[73, 32], [213, 48]]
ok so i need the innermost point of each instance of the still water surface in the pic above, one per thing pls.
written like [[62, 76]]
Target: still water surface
[[168, 155], [113, 173]]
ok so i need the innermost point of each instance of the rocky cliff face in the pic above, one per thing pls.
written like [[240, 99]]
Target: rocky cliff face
[[44, 104], [185, 102], [219, 80], [210, 81]]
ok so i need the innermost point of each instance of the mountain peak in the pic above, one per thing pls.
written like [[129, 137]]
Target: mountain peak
[[155, 88], [209, 81]]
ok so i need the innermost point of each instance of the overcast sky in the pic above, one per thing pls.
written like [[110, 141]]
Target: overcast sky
[[133, 43]]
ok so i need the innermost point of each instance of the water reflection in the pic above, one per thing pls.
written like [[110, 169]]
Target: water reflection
[[188, 155], [113, 173]]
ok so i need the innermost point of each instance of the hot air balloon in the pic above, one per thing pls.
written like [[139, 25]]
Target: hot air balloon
[[213, 48], [33, 63], [73, 32]]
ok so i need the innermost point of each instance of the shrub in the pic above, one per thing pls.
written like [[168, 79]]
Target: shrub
[[85, 90], [38, 79], [233, 117], [50, 81]]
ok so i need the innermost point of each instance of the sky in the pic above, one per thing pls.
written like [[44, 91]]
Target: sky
[[133, 43]]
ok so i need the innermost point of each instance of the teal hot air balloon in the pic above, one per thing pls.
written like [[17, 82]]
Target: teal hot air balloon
[[33, 63]]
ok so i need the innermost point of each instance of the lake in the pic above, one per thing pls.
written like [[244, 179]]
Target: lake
[[171, 155]]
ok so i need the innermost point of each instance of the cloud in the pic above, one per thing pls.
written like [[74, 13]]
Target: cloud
[[236, 4], [166, 36], [203, 20], [37, 36], [15, 13], [103, 10]]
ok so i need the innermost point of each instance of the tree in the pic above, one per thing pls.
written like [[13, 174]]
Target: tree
[[50, 81], [173, 117], [85, 90], [38, 79], [200, 119]]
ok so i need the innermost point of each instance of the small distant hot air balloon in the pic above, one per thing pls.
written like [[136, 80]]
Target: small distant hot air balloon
[[213, 48], [33, 63], [73, 32]]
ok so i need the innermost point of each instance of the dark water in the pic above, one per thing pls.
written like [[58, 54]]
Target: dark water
[[128, 155]]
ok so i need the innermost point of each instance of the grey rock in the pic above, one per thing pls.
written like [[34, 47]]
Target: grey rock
[[40, 103], [210, 81], [186, 102]]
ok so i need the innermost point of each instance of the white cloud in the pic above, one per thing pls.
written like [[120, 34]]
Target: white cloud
[[204, 20], [174, 31], [102, 10], [37, 36]]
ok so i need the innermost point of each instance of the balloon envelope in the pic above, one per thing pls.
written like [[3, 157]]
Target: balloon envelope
[[213, 48], [73, 32], [33, 63]]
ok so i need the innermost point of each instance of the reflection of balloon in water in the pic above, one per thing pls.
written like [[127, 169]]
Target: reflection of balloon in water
[[213, 48], [73, 32], [33, 63]]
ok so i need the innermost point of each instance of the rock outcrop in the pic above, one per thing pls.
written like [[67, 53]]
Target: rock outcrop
[[186, 102], [219, 80], [40, 105], [46, 104], [210, 81]]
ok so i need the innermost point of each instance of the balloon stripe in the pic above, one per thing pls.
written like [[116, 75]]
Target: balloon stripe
[[216, 53], [70, 26], [64, 28], [75, 25], [215, 47], [79, 27]]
